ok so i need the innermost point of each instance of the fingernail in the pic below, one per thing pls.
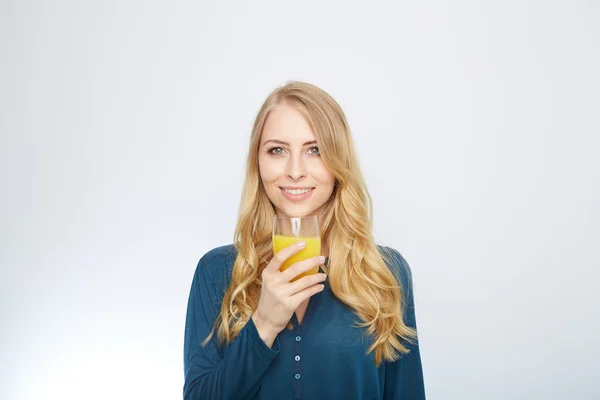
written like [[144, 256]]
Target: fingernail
[[322, 258], [301, 244]]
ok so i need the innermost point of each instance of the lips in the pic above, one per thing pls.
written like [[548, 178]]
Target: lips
[[296, 194]]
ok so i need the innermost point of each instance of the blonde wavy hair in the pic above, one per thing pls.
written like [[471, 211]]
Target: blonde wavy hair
[[357, 272]]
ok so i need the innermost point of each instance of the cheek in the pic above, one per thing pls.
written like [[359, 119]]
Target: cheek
[[268, 170], [322, 175]]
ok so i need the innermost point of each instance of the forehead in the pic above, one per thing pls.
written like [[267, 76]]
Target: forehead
[[286, 123]]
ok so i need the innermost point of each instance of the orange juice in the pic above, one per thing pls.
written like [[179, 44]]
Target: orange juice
[[312, 249]]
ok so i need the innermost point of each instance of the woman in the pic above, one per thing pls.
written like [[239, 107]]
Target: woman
[[348, 333]]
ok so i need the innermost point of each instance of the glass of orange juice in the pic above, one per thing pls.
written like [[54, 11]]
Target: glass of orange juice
[[289, 230]]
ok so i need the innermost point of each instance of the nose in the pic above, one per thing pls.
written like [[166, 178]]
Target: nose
[[295, 168]]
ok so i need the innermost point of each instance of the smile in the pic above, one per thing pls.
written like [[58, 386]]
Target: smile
[[296, 194]]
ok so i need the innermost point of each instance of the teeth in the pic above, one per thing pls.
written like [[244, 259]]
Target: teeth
[[297, 191]]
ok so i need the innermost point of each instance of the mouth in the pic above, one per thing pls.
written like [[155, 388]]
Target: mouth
[[297, 194]]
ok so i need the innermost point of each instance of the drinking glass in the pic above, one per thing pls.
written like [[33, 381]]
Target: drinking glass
[[289, 230]]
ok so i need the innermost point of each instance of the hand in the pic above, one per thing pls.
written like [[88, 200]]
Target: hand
[[279, 297]]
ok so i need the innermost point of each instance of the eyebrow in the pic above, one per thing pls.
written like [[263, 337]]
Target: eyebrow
[[286, 143]]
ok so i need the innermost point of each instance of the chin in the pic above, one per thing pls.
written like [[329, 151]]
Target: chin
[[293, 212], [296, 211]]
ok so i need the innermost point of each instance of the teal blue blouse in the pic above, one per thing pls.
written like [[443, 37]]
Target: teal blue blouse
[[325, 357]]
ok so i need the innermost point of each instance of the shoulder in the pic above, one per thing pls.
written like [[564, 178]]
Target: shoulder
[[219, 255], [216, 265], [397, 264]]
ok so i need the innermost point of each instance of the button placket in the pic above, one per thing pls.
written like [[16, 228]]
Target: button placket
[[297, 362]]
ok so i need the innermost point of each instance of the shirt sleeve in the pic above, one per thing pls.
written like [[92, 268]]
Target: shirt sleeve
[[217, 371], [404, 377]]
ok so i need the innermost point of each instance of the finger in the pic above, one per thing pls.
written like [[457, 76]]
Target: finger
[[283, 255], [303, 283], [301, 266], [299, 297]]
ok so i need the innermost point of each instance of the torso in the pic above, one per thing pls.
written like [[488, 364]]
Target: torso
[[322, 342]]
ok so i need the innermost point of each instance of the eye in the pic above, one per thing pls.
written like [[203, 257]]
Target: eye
[[314, 151], [275, 150]]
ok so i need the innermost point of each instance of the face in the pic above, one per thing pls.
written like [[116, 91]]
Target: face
[[291, 169]]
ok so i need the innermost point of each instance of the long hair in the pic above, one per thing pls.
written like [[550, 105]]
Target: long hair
[[357, 272]]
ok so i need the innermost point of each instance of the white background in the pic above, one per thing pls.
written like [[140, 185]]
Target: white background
[[124, 131]]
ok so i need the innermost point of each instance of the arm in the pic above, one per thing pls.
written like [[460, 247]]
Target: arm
[[217, 372], [404, 378]]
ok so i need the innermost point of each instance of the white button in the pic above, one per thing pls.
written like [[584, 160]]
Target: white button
[[297, 376], [298, 338], [297, 358]]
